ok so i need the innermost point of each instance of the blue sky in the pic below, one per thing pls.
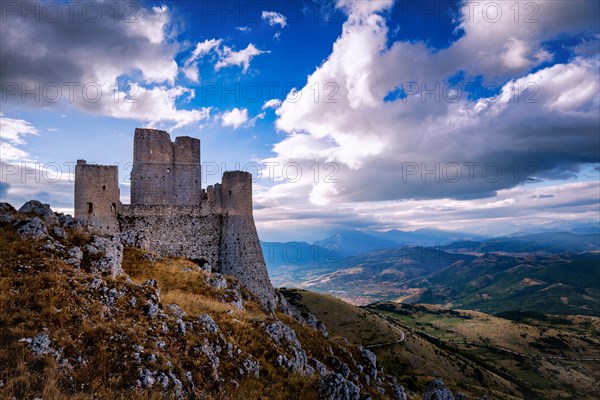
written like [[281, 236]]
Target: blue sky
[[398, 114]]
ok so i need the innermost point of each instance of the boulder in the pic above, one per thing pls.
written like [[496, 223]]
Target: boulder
[[33, 229], [109, 255], [7, 213], [438, 391], [41, 210], [336, 387]]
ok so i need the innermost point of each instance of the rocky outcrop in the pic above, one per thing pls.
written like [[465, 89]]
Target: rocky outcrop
[[102, 254], [336, 387], [294, 357], [41, 210], [438, 391], [33, 229], [211, 340], [7, 213], [106, 255]]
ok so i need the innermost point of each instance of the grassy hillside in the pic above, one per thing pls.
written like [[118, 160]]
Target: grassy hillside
[[166, 329], [415, 360], [549, 357], [495, 283]]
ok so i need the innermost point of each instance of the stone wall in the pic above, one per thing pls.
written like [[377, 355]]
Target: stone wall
[[183, 231], [240, 255], [165, 172], [97, 195], [229, 244]]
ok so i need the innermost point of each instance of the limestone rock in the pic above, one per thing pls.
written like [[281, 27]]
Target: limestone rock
[[208, 323], [40, 345], [110, 252], [66, 221], [438, 391], [59, 232], [41, 210], [250, 367], [336, 387], [33, 229], [295, 358], [371, 362], [281, 333], [7, 213], [75, 256], [217, 281]]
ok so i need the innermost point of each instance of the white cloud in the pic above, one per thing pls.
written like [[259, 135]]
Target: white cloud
[[190, 66], [238, 118], [547, 119], [97, 55], [11, 153], [274, 18], [12, 130], [22, 178], [229, 57], [273, 103], [243, 29], [235, 118], [154, 105], [226, 57]]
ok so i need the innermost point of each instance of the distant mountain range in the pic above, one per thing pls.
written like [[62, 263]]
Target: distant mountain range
[[551, 242], [556, 271], [555, 284]]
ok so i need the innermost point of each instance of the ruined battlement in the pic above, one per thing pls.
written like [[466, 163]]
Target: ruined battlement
[[165, 172], [171, 214], [97, 195]]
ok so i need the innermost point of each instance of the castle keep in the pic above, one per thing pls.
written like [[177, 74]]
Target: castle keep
[[171, 214]]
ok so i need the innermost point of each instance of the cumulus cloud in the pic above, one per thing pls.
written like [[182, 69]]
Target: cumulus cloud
[[509, 211], [238, 118], [273, 103], [156, 105], [23, 178], [84, 62], [12, 132], [274, 18], [435, 143], [229, 57], [502, 38], [235, 118]]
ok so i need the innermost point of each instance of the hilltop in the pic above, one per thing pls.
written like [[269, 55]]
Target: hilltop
[[83, 317]]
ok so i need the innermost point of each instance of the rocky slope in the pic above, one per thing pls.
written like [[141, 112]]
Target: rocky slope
[[82, 317]]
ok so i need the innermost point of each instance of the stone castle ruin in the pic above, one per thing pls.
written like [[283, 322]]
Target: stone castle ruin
[[170, 214]]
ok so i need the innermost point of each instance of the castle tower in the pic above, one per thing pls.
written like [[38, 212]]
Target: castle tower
[[97, 195], [187, 186], [240, 253], [164, 172], [236, 193]]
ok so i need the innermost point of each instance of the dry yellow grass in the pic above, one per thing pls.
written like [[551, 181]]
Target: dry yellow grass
[[41, 293], [195, 304]]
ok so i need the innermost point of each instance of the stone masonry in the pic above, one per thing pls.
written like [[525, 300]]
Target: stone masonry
[[170, 214]]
